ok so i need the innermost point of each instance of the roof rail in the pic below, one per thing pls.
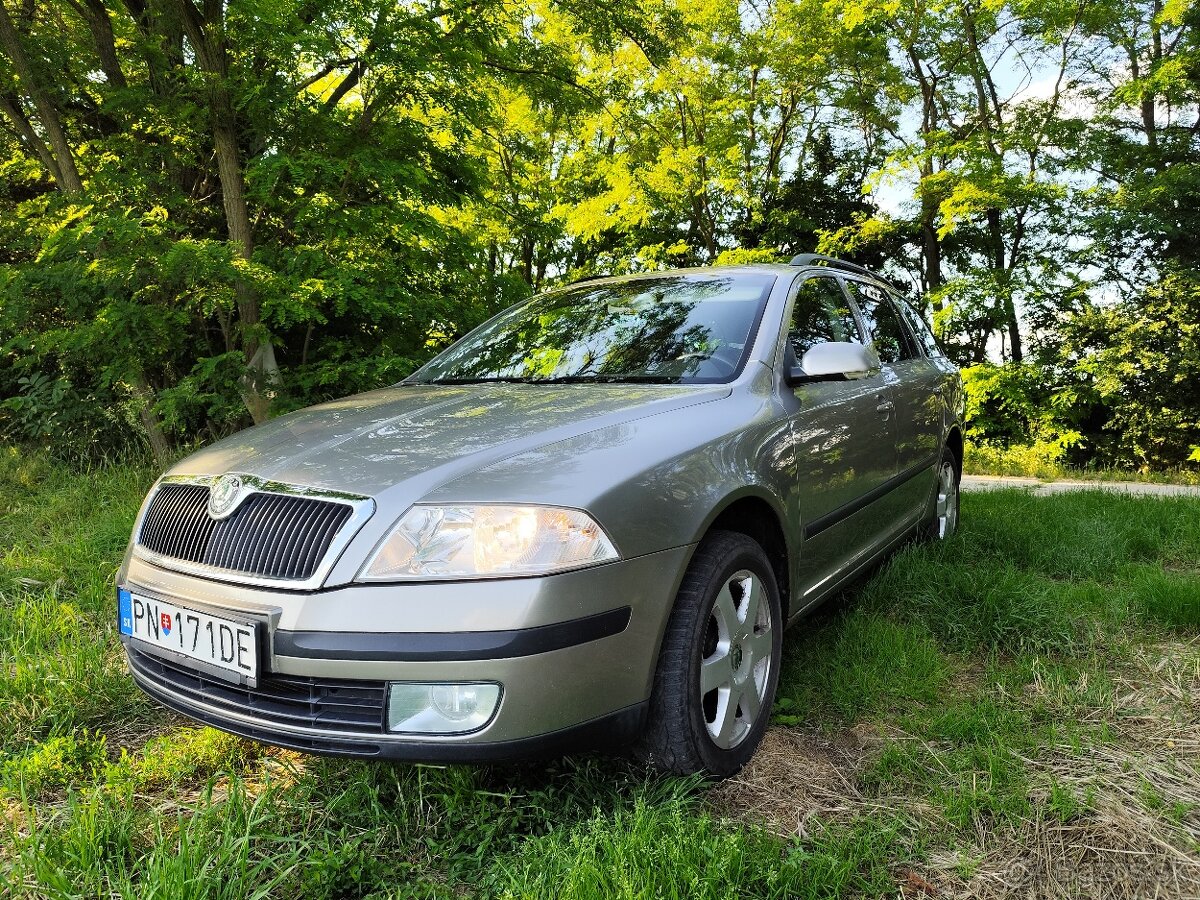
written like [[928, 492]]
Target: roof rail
[[813, 259]]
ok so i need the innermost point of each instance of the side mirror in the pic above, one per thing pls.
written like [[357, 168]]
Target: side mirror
[[833, 361]]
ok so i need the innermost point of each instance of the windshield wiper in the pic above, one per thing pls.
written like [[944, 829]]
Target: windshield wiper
[[486, 379], [612, 379], [561, 379]]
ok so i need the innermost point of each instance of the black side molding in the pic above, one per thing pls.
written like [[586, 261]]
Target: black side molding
[[438, 646], [846, 510]]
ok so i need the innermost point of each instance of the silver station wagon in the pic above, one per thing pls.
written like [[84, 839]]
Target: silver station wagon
[[585, 524]]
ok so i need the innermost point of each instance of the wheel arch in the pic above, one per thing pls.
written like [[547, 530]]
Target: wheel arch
[[954, 440], [757, 515]]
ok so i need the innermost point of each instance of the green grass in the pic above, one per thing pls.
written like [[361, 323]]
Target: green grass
[[989, 673], [999, 646], [648, 850]]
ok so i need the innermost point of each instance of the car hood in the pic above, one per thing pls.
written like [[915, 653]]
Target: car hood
[[425, 435]]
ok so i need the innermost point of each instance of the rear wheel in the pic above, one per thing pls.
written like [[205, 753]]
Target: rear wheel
[[719, 663], [943, 520]]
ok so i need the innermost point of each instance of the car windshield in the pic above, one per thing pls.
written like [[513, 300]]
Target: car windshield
[[673, 329]]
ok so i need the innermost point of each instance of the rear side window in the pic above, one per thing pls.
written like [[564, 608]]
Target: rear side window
[[918, 326], [883, 323], [820, 313]]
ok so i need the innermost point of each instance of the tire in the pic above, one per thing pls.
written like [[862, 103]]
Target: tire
[[689, 731], [942, 520]]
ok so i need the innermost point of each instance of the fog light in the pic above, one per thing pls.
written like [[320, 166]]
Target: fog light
[[426, 707]]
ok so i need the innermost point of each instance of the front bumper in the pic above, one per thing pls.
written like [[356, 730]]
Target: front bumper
[[607, 731], [574, 652]]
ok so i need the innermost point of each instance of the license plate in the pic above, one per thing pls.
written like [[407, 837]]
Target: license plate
[[223, 646]]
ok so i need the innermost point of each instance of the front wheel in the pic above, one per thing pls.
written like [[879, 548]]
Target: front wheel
[[719, 663]]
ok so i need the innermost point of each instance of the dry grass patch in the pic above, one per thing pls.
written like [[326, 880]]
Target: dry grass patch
[[1159, 695], [1112, 852], [1111, 805], [1113, 845], [800, 778], [14, 816], [1138, 831]]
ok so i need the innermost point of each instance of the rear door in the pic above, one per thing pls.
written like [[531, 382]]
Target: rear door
[[915, 382], [844, 443]]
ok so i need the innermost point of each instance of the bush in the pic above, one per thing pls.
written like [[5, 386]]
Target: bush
[[1143, 356]]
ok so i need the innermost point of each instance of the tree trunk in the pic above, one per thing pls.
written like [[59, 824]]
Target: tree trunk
[[208, 42], [932, 252], [95, 16], [527, 260], [68, 180], [1014, 328], [159, 444], [1002, 274], [1148, 103], [29, 138], [256, 385], [931, 249], [157, 26]]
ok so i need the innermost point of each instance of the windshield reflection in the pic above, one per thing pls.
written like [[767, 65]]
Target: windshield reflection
[[674, 329]]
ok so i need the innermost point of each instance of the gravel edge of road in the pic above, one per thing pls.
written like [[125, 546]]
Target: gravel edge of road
[[1046, 488]]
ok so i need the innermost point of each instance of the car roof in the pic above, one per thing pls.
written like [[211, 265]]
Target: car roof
[[777, 269]]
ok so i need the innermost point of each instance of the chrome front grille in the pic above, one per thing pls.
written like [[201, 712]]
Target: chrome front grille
[[272, 535]]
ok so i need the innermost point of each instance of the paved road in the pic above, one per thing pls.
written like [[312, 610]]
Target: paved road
[[1045, 488]]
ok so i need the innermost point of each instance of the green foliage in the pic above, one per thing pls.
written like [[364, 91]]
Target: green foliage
[[1018, 404], [646, 850], [45, 412], [1118, 387], [1040, 460], [277, 204], [405, 173], [1143, 356], [55, 764]]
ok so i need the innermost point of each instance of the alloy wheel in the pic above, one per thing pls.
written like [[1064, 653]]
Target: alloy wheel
[[946, 513], [735, 666]]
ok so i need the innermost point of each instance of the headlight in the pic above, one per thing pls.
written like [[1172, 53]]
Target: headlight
[[488, 542]]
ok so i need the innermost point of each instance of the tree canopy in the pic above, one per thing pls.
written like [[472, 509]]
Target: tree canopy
[[211, 212]]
